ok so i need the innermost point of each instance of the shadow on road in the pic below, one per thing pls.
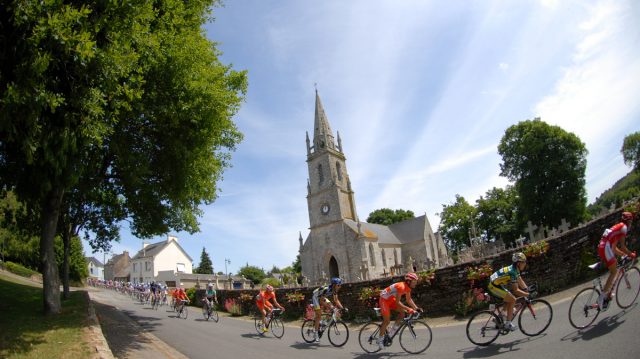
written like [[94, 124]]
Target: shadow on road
[[381, 354], [497, 348], [117, 329], [602, 327]]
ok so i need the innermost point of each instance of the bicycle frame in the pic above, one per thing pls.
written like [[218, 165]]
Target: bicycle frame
[[407, 321]]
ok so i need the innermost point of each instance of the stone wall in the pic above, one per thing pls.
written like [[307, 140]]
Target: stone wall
[[564, 265]]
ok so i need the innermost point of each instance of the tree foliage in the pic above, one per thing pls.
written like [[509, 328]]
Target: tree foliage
[[456, 222], [547, 165], [497, 214], [253, 273], [386, 216], [124, 100], [626, 188], [631, 151], [205, 266]]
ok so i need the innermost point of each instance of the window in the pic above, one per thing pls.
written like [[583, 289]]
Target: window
[[320, 174], [395, 256], [180, 267], [384, 258], [147, 266], [91, 270], [372, 258], [339, 171], [134, 267]]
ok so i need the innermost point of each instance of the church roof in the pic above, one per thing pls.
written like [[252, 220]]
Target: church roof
[[411, 230]]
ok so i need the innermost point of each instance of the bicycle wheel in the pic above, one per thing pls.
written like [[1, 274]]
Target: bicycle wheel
[[205, 312], [185, 312], [259, 325], [483, 328], [368, 337], [307, 330], [584, 308], [628, 288], [535, 317], [277, 327], [338, 333], [415, 337], [214, 315]]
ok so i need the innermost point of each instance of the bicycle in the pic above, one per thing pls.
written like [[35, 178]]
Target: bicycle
[[209, 311], [584, 308], [534, 317], [273, 321], [182, 309], [415, 335], [338, 331]]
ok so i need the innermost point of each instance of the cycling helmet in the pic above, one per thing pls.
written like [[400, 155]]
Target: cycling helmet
[[518, 257], [269, 288], [210, 285], [410, 276], [336, 281], [627, 216]]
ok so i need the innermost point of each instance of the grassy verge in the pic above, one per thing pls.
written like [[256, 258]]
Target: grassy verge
[[26, 333]]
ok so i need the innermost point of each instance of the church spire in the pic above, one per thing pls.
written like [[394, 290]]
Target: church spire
[[322, 134]]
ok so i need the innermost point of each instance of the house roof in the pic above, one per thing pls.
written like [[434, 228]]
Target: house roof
[[95, 262], [411, 230], [153, 249]]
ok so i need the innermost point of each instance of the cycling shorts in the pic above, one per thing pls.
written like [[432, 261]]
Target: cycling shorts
[[316, 299], [498, 291], [386, 305], [606, 253], [262, 304]]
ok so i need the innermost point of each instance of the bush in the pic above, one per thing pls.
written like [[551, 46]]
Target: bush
[[233, 307], [191, 294], [19, 269]]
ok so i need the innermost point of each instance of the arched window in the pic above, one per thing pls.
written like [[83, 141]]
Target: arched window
[[384, 258], [372, 257], [339, 171], [333, 267], [320, 174]]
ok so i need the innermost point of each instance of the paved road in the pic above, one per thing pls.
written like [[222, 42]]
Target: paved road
[[613, 335]]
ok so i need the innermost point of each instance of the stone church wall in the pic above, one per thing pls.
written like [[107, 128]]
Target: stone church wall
[[562, 266]]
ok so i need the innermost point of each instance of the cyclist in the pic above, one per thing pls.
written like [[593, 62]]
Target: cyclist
[[390, 300], [155, 291], [211, 295], [320, 300], [262, 301], [180, 297], [607, 250], [509, 275]]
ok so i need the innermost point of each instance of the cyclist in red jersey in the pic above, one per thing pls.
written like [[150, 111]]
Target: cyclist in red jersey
[[390, 300], [262, 301], [608, 249]]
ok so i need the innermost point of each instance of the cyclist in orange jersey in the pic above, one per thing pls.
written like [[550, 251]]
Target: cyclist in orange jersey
[[262, 301], [390, 300]]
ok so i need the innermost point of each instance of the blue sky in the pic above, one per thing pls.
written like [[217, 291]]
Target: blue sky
[[421, 93]]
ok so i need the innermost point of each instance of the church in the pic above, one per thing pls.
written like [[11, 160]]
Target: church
[[339, 244]]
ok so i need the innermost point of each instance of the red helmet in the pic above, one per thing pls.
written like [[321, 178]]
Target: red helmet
[[410, 276], [627, 216]]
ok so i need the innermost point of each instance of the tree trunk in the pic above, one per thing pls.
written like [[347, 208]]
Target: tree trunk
[[66, 239], [50, 280]]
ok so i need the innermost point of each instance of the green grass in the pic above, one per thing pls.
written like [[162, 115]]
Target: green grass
[[26, 333]]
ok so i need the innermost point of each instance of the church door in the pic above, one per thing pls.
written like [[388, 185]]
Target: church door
[[333, 267]]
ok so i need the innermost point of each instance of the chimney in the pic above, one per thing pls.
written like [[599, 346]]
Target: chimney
[[172, 238], [144, 244]]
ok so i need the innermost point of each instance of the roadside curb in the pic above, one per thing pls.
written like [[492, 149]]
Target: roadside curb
[[97, 337]]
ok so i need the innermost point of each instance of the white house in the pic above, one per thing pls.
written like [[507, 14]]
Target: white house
[[96, 268], [162, 256]]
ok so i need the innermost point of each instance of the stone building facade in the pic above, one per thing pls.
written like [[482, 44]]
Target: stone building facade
[[339, 243]]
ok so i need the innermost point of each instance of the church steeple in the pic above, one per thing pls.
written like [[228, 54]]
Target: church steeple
[[322, 134]]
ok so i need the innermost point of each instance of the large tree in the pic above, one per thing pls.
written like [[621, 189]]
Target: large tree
[[456, 223], [133, 88], [388, 216], [497, 214], [547, 165], [253, 273], [631, 150], [205, 266]]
